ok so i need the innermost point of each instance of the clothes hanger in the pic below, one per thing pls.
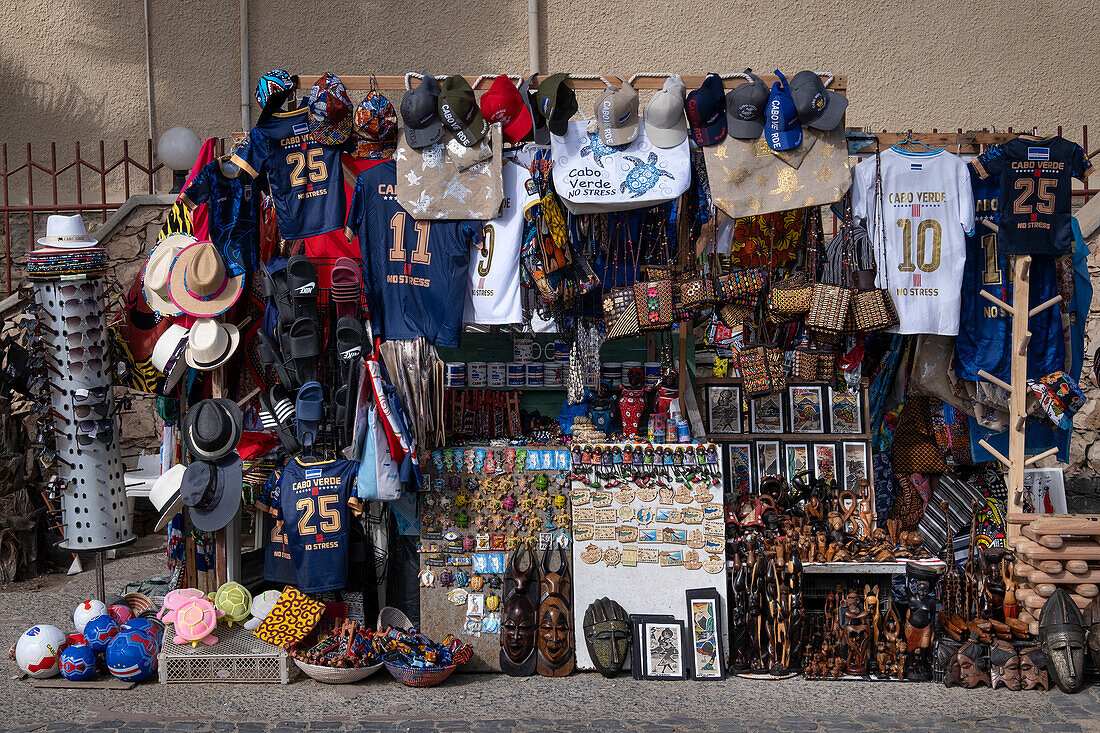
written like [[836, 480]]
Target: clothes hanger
[[910, 141]]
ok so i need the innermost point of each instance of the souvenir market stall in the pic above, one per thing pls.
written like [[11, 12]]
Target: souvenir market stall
[[538, 379]]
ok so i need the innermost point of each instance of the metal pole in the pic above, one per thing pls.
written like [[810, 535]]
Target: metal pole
[[101, 591]]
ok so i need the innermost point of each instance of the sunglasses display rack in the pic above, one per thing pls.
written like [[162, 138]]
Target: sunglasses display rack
[[72, 328]]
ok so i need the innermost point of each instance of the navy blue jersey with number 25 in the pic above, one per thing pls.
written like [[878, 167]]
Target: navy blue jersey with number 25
[[313, 504], [416, 270]]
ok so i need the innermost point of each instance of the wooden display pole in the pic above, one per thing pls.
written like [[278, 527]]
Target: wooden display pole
[[1016, 461]]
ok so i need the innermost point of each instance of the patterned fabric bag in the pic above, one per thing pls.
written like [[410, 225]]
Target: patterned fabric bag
[[292, 619], [653, 300]]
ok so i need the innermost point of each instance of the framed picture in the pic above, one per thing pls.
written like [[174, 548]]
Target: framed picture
[[845, 412], [740, 467], [704, 624], [724, 409], [638, 622], [796, 459], [766, 414], [825, 461], [664, 653], [767, 459], [856, 465], [807, 412]]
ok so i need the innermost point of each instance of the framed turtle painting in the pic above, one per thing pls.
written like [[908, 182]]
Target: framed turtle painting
[[704, 611], [664, 654]]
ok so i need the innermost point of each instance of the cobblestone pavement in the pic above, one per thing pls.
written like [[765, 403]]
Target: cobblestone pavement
[[498, 704]]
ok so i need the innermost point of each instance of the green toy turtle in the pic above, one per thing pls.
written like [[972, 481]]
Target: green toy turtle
[[234, 601]]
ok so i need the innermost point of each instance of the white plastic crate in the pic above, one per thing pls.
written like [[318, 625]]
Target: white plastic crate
[[239, 656]]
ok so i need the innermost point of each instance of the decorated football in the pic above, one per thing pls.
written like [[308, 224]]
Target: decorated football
[[77, 663], [99, 632], [147, 626], [132, 655], [120, 612], [85, 612], [37, 650]]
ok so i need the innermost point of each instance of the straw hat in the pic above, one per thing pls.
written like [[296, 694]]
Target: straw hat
[[210, 343], [199, 284], [66, 232], [157, 270]]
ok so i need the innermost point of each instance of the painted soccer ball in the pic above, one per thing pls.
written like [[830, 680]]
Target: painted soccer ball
[[85, 612], [147, 626], [120, 613], [77, 663], [37, 650], [99, 632], [132, 655]]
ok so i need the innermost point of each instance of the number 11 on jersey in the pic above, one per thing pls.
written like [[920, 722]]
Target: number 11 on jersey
[[420, 255]]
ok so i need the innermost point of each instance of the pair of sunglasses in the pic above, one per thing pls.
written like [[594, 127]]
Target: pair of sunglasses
[[94, 427], [88, 320], [72, 304], [96, 394], [90, 365], [84, 353], [73, 289], [87, 410], [102, 437], [87, 336]]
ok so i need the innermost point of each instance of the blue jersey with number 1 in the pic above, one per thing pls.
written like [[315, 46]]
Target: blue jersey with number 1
[[985, 329], [313, 504]]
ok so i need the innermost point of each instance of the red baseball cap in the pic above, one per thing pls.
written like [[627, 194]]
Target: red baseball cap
[[502, 103]]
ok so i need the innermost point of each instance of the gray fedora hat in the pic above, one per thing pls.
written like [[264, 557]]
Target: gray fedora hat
[[212, 428], [212, 491]]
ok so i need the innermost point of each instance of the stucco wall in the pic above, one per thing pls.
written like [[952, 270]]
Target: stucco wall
[[75, 69]]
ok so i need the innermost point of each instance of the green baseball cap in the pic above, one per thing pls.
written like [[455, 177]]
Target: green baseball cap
[[459, 112], [557, 102]]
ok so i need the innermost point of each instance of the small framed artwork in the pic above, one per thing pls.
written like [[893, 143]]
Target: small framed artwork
[[825, 461], [740, 466], [704, 615], [638, 622], [767, 459], [807, 412], [664, 652], [724, 409], [856, 465], [796, 459], [766, 414], [845, 412]]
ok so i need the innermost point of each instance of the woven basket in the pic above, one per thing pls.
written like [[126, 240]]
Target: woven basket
[[390, 617], [417, 676], [337, 675]]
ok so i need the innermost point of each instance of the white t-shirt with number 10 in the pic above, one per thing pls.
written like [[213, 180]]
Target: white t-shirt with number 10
[[928, 208], [493, 296]]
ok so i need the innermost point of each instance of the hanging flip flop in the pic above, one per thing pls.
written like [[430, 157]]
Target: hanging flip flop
[[270, 356], [347, 287], [310, 410], [351, 403], [302, 283], [304, 347], [349, 339], [275, 287], [269, 408]]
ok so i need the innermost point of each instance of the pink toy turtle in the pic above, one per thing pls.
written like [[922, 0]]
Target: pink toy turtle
[[174, 600], [195, 622]]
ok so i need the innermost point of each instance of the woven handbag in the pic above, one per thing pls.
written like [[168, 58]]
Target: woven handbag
[[831, 297], [761, 367], [625, 325], [790, 298], [653, 302], [872, 308], [740, 283], [804, 362], [615, 302], [826, 364]]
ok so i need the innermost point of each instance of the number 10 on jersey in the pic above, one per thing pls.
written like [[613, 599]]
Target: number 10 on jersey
[[927, 247]]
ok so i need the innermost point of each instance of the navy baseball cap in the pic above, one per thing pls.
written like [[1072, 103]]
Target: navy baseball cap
[[782, 129], [706, 112]]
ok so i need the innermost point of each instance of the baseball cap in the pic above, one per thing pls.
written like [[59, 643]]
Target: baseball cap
[[459, 111], [745, 105], [273, 90], [540, 132], [376, 125], [329, 119], [817, 106], [420, 113], [706, 111], [557, 102], [617, 114], [781, 126], [503, 103], [665, 125]]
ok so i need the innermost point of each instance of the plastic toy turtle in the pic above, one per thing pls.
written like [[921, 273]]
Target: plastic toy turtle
[[261, 606], [195, 621], [174, 600], [596, 149], [234, 601]]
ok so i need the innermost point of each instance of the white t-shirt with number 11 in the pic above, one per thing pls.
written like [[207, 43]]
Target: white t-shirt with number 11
[[493, 295], [928, 208]]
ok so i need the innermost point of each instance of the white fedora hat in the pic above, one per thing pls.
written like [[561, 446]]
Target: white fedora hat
[[157, 272], [165, 495], [168, 355], [210, 343], [66, 232]]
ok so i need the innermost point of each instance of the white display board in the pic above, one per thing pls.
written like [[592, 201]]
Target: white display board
[[647, 587]]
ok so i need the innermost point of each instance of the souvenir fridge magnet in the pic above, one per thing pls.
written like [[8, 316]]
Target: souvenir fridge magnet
[[591, 555], [630, 556]]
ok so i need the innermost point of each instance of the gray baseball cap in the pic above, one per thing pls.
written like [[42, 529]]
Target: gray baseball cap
[[617, 115], [540, 132], [665, 124], [745, 105], [420, 113], [817, 106]]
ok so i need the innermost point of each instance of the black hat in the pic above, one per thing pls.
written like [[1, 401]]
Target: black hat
[[212, 491], [706, 112], [557, 102], [540, 132], [212, 428], [459, 112], [419, 111], [745, 105], [817, 106]]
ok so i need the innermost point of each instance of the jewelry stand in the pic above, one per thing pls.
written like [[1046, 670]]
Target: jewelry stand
[[96, 513]]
